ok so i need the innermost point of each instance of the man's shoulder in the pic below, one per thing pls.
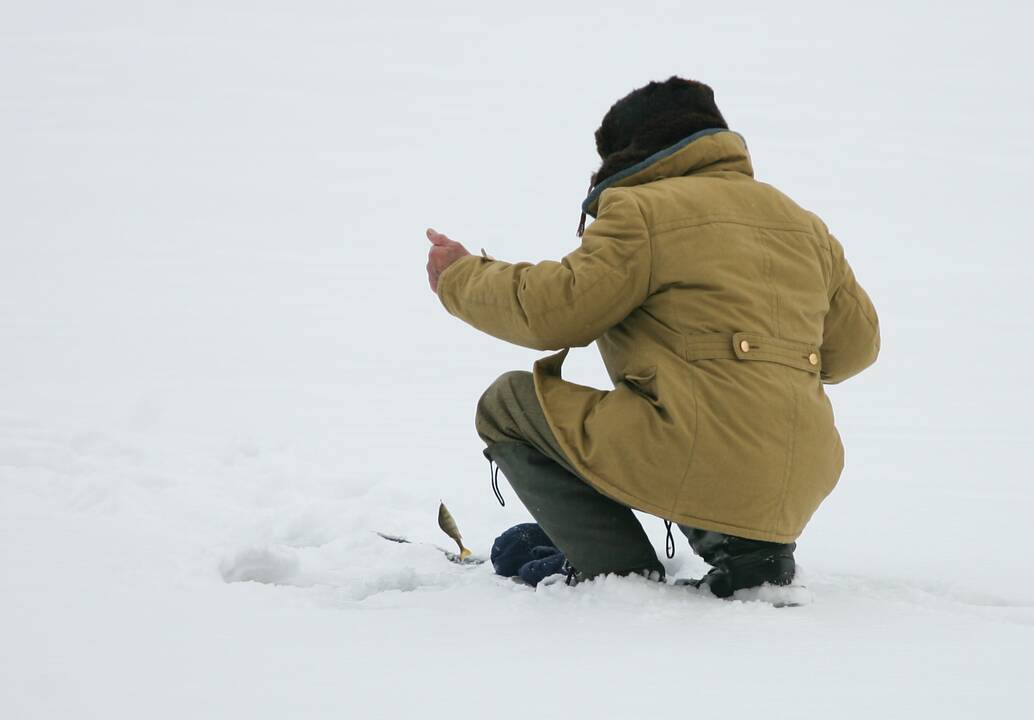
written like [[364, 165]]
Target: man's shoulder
[[696, 200]]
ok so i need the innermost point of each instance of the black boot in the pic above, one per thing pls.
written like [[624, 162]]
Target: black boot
[[740, 563]]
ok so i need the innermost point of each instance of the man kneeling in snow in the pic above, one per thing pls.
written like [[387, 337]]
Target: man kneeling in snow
[[720, 308]]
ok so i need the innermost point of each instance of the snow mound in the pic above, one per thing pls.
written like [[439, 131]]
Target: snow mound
[[352, 568], [271, 565]]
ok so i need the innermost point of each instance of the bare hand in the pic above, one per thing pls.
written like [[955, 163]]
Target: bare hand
[[443, 253]]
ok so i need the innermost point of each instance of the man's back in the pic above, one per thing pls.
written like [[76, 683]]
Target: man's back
[[746, 255], [738, 253]]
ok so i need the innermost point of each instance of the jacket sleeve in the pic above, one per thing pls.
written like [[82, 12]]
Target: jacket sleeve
[[553, 305], [851, 334]]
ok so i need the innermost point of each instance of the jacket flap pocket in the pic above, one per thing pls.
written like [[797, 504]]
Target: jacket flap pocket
[[643, 382]]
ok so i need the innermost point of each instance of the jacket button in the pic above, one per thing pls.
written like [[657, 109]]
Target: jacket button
[[744, 346], [813, 359]]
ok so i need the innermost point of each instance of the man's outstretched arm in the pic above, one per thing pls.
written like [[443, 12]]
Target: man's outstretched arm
[[552, 305]]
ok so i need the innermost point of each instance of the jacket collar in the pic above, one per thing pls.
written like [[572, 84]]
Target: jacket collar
[[709, 150]]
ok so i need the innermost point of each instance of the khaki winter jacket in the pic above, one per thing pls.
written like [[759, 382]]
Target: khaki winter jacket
[[720, 308]]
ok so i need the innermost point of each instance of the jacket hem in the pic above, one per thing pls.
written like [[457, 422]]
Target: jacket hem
[[625, 498]]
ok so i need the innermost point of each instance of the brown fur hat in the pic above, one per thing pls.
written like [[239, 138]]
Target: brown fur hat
[[652, 118]]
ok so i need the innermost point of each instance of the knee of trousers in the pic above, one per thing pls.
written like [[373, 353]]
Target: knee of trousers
[[497, 403]]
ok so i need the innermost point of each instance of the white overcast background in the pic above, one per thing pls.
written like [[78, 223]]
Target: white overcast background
[[220, 359]]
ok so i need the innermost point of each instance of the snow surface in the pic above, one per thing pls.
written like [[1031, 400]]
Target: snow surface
[[221, 361]]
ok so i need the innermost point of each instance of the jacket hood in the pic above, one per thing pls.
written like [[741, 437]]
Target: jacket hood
[[709, 150]]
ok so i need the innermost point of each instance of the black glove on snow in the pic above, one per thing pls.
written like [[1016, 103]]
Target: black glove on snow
[[525, 551], [549, 561]]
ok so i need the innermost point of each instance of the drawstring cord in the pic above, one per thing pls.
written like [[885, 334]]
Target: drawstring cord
[[572, 574], [494, 474], [581, 222], [669, 542]]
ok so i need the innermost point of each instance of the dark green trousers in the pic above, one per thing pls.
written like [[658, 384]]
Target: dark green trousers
[[598, 535]]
